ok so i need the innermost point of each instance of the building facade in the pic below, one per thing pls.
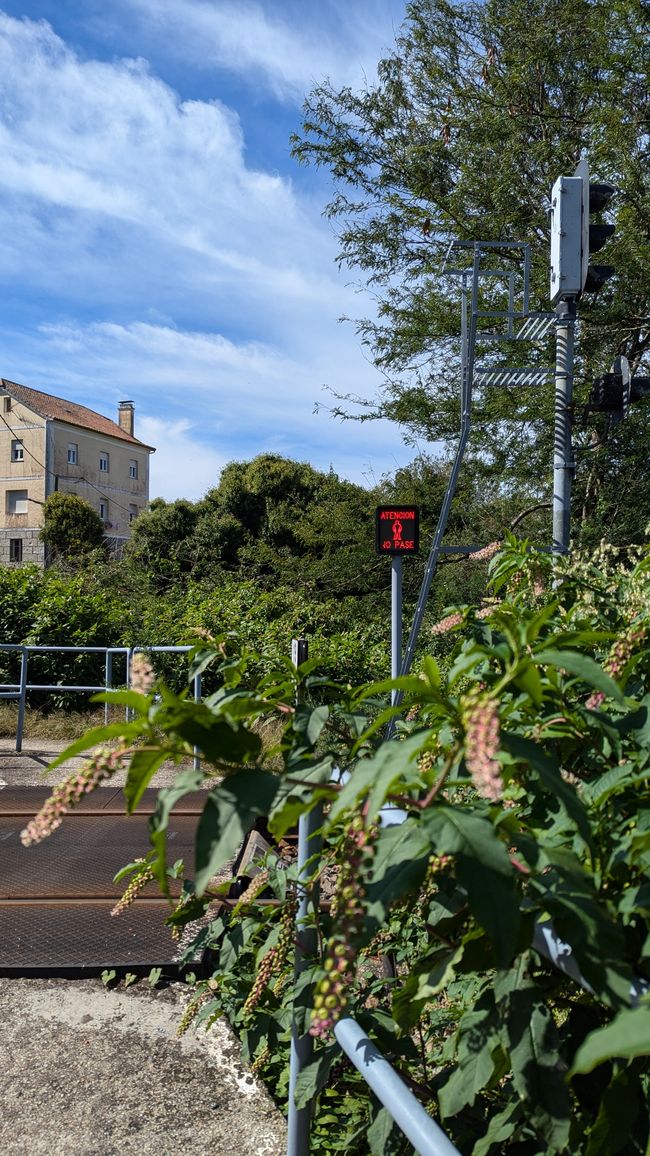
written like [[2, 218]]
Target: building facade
[[49, 444]]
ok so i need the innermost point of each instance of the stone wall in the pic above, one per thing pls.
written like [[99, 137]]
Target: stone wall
[[33, 548]]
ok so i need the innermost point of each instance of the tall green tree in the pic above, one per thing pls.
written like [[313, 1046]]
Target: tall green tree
[[473, 116], [71, 527]]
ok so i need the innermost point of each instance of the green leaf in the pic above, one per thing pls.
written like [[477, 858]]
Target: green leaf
[[229, 813], [186, 783], [477, 1061], [314, 1076], [502, 1127], [384, 1137], [419, 989], [547, 770], [530, 1037], [142, 768], [293, 799], [317, 720], [597, 943], [96, 737], [584, 668], [619, 1108], [627, 1036], [483, 868], [400, 864], [376, 776]]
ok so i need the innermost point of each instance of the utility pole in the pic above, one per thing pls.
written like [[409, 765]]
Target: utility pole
[[573, 238], [563, 464]]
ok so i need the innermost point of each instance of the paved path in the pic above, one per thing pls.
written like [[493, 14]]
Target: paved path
[[91, 1072]]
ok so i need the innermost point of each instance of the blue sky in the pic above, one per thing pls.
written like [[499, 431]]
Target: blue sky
[[158, 243]]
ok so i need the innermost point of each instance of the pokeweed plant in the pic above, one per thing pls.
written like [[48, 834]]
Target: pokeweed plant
[[521, 765]]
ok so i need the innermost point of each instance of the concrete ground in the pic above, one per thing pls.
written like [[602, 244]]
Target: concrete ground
[[88, 1071]]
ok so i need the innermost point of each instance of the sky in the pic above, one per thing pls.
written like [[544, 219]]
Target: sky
[[159, 244]]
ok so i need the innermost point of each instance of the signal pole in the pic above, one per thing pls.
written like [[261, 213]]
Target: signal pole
[[563, 464]]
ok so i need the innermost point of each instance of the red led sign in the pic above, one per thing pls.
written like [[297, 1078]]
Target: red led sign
[[397, 529]]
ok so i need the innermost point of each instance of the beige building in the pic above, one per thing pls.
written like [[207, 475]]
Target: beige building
[[48, 444]]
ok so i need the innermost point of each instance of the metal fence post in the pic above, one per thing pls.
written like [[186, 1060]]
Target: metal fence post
[[21, 700], [302, 1045], [108, 681], [197, 698]]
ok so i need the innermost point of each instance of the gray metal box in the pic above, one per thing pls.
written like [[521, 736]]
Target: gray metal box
[[566, 238]]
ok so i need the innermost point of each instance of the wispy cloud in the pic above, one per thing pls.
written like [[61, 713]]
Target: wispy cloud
[[150, 259], [286, 48]]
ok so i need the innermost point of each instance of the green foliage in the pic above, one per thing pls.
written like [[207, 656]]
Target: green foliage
[[71, 527], [522, 766], [475, 113]]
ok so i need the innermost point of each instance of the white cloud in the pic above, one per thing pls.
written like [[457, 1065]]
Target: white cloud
[[171, 271], [183, 466], [284, 47]]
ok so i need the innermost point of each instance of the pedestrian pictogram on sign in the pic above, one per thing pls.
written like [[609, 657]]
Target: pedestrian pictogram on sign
[[397, 529]]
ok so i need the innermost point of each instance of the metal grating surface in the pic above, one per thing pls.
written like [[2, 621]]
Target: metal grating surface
[[81, 858], [56, 937], [56, 896], [28, 800]]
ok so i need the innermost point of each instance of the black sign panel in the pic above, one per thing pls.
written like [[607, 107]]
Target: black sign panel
[[397, 529]]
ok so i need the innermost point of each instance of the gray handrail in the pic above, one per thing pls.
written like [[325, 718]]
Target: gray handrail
[[425, 1135]]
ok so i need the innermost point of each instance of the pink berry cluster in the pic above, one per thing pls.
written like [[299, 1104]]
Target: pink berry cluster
[[275, 959], [141, 876], [617, 659], [142, 674], [481, 721], [347, 911], [486, 553], [103, 763], [447, 624]]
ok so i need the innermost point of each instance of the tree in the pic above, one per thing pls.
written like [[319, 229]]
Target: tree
[[475, 113], [71, 528]]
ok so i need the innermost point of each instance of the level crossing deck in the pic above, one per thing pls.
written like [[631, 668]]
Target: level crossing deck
[[56, 897]]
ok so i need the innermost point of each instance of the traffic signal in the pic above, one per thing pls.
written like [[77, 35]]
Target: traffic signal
[[613, 392], [574, 237], [596, 196]]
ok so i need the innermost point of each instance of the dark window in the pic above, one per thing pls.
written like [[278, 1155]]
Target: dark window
[[7, 405], [15, 549], [17, 452], [103, 463]]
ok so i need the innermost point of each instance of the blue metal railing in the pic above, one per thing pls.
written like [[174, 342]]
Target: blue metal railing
[[20, 689]]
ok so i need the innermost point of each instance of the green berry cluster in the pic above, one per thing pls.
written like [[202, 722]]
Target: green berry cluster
[[138, 882], [275, 959], [347, 911]]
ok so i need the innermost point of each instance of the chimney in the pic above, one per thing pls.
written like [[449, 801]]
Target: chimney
[[125, 414]]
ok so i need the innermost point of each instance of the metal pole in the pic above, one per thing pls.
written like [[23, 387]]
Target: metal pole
[[425, 1135], [563, 464], [21, 700], [395, 622], [108, 681], [197, 698], [302, 1046]]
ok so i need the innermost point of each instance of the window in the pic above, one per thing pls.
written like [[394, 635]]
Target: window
[[17, 451], [133, 469], [103, 463], [7, 405], [16, 501], [133, 512], [103, 511], [72, 453], [15, 549]]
